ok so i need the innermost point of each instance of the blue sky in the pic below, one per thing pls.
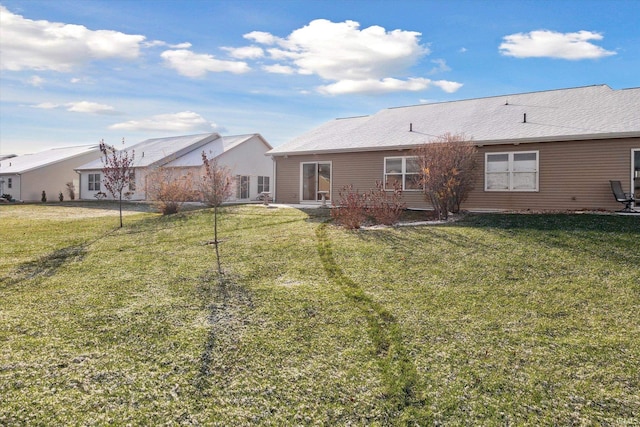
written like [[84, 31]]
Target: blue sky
[[76, 72]]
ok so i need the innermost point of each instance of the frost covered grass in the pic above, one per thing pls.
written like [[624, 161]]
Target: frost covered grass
[[494, 319]]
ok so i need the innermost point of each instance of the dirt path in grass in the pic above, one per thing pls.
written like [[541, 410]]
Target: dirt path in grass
[[399, 374]]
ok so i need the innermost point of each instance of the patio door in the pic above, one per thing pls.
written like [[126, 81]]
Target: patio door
[[315, 181], [635, 173]]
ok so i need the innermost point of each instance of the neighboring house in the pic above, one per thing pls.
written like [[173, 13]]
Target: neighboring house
[[244, 155], [551, 150], [25, 177]]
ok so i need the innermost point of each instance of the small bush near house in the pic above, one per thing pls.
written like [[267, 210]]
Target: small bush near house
[[71, 190], [43, 198], [378, 206], [169, 190], [446, 171], [351, 211], [386, 207]]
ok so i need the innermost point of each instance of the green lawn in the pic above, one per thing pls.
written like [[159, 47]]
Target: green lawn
[[492, 320]]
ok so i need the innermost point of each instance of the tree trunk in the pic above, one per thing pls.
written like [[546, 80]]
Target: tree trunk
[[215, 237], [120, 198]]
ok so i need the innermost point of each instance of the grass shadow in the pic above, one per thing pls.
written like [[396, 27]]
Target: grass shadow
[[46, 265], [553, 222], [224, 299]]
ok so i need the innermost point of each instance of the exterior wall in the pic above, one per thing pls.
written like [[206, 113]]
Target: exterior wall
[[246, 159], [15, 185], [249, 159], [52, 179], [361, 170], [140, 192], [573, 175]]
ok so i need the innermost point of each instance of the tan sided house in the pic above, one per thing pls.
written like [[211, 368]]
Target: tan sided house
[[244, 155], [25, 177], [550, 150]]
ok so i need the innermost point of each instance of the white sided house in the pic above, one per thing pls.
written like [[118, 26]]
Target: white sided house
[[243, 155], [25, 177], [549, 150]]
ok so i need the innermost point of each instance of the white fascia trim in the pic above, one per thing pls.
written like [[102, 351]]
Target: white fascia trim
[[561, 138]]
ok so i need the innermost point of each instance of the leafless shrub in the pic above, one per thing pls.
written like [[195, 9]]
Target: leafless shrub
[[447, 165], [169, 189], [385, 207], [351, 210]]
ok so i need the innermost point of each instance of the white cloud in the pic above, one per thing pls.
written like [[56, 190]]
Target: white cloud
[[160, 43], [192, 64], [80, 107], [261, 37], [337, 51], [43, 45], [447, 86], [386, 85], [369, 60], [551, 44], [79, 80], [90, 107], [184, 121], [247, 52], [36, 81], [278, 69], [441, 66], [47, 105]]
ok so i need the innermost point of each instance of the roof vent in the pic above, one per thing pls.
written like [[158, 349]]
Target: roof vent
[[524, 120], [410, 127]]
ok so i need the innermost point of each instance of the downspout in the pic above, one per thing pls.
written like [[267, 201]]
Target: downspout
[[79, 185], [273, 160]]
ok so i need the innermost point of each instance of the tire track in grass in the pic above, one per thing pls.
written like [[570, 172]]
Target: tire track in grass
[[399, 374]]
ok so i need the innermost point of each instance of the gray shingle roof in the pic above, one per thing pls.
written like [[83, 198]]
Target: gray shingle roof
[[27, 162], [178, 150], [589, 112], [156, 151]]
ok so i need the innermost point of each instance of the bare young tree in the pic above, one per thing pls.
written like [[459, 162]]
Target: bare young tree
[[170, 189], [117, 166], [216, 187], [447, 167]]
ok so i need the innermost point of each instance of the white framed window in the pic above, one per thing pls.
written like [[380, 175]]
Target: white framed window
[[405, 171], [511, 171], [263, 184], [9, 183], [94, 182]]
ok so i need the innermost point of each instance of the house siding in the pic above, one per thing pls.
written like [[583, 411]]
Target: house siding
[[52, 178], [245, 159], [573, 175]]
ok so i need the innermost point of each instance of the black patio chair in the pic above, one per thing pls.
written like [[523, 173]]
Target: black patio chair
[[622, 197]]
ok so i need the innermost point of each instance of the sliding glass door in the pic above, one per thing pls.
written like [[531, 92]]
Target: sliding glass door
[[316, 181]]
